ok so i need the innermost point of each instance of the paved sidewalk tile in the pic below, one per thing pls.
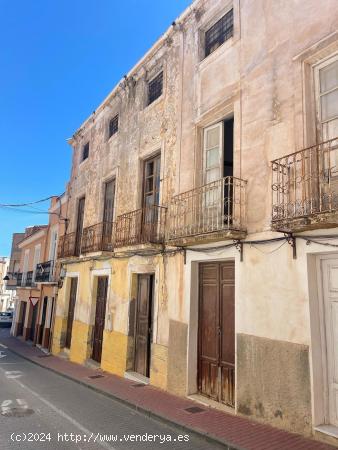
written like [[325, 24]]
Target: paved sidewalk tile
[[235, 431]]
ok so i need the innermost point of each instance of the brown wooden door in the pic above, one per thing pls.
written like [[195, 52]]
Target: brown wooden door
[[108, 215], [216, 359], [79, 226], [143, 324], [100, 314], [71, 310], [22, 318], [33, 322], [43, 320]]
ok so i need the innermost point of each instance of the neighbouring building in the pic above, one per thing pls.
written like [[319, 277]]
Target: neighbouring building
[[6, 295], [38, 276], [201, 250]]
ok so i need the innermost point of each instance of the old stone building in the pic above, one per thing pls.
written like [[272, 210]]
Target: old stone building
[[200, 254]]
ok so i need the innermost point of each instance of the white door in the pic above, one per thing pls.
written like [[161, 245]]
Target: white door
[[330, 293], [212, 205]]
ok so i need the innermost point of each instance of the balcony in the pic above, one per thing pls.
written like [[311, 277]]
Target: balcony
[[97, 238], [44, 272], [15, 280], [66, 246], [27, 281], [142, 226], [305, 188], [215, 211]]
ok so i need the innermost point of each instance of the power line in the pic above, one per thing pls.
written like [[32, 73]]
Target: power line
[[19, 205]]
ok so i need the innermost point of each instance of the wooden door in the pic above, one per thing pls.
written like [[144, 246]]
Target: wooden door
[[151, 197], [43, 320], [100, 315], [216, 335], [143, 332], [71, 310], [108, 215], [330, 290], [22, 318], [79, 226], [33, 321]]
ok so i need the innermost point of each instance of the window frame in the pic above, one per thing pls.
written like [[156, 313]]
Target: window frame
[[112, 118], [152, 80], [83, 157]]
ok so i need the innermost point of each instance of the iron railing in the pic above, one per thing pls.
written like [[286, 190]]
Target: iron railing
[[97, 238], [66, 246], [305, 183], [19, 279], [214, 207], [27, 281], [145, 225], [44, 272]]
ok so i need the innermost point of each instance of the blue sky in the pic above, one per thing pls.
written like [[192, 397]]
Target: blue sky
[[58, 61]]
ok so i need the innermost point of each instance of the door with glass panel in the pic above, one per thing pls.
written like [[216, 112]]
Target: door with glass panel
[[151, 199], [327, 115]]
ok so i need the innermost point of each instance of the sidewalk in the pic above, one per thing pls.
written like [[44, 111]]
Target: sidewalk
[[233, 431]]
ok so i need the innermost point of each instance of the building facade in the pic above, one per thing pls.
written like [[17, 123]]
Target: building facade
[[201, 249], [6, 295], [37, 277]]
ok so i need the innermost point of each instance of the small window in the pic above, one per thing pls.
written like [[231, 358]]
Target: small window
[[220, 32], [113, 125], [85, 151], [155, 88]]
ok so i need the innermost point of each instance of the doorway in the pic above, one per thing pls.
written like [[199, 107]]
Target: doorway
[[144, 324], [43, 321], [33, 321], [329, 326], [79, 226], [71, 310], [22, 317], [216, 331], [100, 315]]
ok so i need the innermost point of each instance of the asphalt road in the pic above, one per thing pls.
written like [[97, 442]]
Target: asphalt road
[[42, 410]]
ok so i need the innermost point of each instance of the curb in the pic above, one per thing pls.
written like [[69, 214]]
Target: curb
[[146, 412]]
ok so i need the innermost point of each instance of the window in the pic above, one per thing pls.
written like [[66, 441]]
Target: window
[[220, 32], [85, 151], [328, 99], [155, 88], [113, 125]]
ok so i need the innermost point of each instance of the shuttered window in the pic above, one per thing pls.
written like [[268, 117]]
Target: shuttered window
[[113, 125]]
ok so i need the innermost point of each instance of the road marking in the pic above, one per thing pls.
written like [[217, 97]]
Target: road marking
[[60, 412], [13, 374], [3, 346], [2, 354]]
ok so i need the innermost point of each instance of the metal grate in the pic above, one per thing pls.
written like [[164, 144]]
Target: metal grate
[[85, 152], [93, 377], [113, 125], [194, 410], [155, 88], [220, 32]]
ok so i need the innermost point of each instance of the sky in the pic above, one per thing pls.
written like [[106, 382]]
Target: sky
[[58, 60]]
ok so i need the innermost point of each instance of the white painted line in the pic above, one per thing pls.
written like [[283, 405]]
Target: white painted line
[[3, 346], [61, 413]]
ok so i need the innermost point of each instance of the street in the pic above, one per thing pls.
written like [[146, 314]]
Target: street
[[40, 409]]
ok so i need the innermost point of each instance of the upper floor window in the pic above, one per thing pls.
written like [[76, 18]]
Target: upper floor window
[[85, 151], [220, 32], [155, 88], [114, 125]]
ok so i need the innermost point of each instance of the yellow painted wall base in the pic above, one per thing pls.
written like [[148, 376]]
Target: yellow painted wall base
[[114, 352], [159, 366], [59, 330], [80, 348]]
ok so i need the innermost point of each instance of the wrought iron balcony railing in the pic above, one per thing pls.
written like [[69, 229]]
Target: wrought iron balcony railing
[[215, 207], [142, 226], [97, 238], [18, 279], [66, 246], [27, 281], [44, 272], [305, 184]]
